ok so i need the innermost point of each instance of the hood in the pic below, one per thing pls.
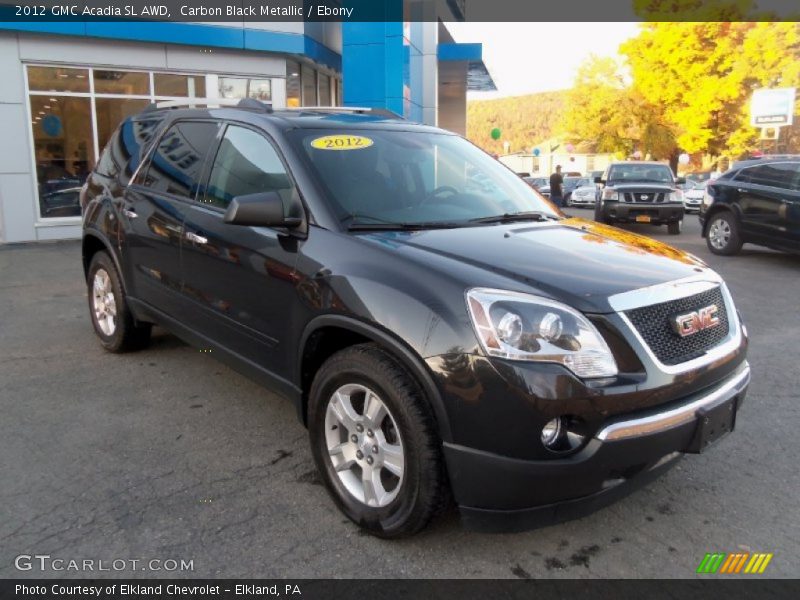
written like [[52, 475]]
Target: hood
[[575, 261]]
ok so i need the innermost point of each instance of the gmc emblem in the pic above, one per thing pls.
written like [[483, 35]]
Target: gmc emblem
[[696, 321]]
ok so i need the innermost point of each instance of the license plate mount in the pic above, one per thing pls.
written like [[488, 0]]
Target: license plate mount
[[713, 423]]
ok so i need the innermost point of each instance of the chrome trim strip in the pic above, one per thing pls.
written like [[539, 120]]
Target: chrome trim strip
[[728, 344], [677, 416], [665, 292]]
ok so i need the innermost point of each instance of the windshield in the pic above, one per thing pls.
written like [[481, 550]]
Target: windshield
[[637, 172], [403, 177]]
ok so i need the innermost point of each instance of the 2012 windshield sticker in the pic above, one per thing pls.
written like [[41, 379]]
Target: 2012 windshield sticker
[[341, 142]]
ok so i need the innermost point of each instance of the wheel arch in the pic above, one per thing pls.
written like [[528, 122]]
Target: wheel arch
[[94, 242], [351, 331]]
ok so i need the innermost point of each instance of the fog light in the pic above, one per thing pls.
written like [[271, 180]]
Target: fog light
[[551, 432]]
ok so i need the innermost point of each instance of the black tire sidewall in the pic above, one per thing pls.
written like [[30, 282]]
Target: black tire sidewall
[[390, 520]]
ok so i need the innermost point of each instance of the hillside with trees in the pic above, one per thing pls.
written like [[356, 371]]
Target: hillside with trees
[[522, 120]]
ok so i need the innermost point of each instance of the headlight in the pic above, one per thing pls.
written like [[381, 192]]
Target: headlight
[[525, 327], [610, 194], [676, 196]]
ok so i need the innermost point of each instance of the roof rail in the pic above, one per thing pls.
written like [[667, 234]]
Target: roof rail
[[249, 103], [348, 109]]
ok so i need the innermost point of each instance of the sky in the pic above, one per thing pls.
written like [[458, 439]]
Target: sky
[[524, 58]]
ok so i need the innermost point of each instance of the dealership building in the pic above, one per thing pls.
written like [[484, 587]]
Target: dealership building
[[66, 85]]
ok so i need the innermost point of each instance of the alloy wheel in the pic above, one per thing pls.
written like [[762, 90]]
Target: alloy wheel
[[719, 234], [364, 445], [104, 303]]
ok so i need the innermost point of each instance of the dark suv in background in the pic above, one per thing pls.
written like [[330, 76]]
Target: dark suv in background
[[420, 305], [640, 192], [757, 201]]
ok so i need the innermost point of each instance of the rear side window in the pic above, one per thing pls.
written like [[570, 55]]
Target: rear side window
[[177, 161], [246, 163], [778, 175]]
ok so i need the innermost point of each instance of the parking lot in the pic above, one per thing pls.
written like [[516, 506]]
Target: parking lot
[[167, 454]]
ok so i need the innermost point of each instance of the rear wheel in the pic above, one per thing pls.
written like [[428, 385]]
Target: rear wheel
[[112, 320], [375, 443], [723, 235], [675, 227]]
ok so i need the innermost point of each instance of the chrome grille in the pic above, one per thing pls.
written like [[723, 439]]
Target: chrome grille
[[654, 324], [644, 197]]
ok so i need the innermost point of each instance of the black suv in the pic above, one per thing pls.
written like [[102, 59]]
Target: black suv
[[757, 201], [640, 192], [421, 306]]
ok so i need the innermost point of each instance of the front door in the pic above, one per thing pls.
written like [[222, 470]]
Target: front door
[[764, 201], [241, 280], [153, 209]]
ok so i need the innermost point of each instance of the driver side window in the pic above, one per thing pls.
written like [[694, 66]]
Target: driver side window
[[246, 163]]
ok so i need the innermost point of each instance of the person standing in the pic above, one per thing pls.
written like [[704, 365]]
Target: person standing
[[556, 187]]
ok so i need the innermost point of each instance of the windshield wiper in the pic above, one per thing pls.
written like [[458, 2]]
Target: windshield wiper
[[520, 216], [403, 226]]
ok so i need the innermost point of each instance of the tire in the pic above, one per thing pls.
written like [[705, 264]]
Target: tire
[[675, 227], [348, 382], [599, 216], [723, 236], [112, 320]]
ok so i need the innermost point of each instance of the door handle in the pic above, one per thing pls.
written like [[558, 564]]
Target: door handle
[[197, 239], [129, 213]]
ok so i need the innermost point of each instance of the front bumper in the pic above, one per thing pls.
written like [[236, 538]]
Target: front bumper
[[624, 212], [497, 493]]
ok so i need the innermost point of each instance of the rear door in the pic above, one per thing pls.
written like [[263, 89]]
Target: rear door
[[241, 280], [153, 209]]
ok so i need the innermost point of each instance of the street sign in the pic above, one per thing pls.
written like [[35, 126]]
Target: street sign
[[772, 107]]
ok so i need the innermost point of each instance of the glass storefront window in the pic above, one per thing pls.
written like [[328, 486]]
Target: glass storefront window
[[58, 79], [309, 78], [111, 112], [293, 89], [68, 137], [324, 90], [64, 151], [181, 86], [242, 87], [126, 83]]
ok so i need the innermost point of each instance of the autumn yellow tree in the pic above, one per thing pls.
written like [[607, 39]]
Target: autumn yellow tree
[[603, 109], [701, 77]]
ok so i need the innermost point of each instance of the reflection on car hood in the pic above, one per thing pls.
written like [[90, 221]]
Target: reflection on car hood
[[576, 261]]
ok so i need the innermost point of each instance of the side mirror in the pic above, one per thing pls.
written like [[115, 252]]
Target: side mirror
[[263, 209], [598, 180], [680, 181]]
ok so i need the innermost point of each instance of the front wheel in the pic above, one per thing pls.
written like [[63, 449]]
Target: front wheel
[[723, 234], [675, 227], [375, 443]]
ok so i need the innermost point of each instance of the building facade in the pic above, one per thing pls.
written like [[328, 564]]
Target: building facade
[[68, 85]]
